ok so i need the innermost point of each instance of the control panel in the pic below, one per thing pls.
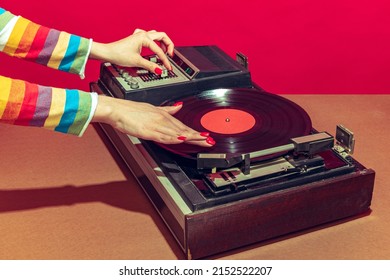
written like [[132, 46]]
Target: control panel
[[194, 69], [132, 78]]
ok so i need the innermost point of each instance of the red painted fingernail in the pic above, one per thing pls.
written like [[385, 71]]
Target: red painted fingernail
[[205, 134], [178, 103], [182, 138], [158, 70], [210, 141]]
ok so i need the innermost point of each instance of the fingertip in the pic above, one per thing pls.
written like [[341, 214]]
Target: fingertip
[[149, 65], [170, 51], [210, 141], [171, 109], [158, 70], [166, 62]]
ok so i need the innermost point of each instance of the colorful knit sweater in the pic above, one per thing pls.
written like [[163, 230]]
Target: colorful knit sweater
[[24, 103]]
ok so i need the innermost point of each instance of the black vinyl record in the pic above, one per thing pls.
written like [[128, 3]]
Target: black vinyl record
[[240, 120]]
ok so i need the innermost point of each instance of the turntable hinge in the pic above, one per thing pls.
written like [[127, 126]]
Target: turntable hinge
[[345, 140], [242, 59], [246, 164]]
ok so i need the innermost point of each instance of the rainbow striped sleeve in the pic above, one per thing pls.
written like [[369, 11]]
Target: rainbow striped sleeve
[[24, 39], [62, 110]]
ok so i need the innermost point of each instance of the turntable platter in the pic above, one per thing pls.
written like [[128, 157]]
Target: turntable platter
[[240, 120]]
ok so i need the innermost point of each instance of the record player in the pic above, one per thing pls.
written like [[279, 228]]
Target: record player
[[270, 174]]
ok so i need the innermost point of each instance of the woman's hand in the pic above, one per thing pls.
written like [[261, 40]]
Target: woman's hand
[[148, 122], [139, 119], [127, 52]]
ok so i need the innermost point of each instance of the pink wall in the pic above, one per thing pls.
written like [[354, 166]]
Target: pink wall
[[300, 46]]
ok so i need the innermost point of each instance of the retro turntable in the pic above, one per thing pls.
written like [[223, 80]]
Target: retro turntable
[[270, 173]]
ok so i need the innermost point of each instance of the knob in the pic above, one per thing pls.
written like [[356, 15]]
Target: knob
[[134, 84]]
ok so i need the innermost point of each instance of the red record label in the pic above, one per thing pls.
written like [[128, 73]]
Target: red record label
[[227, 121]]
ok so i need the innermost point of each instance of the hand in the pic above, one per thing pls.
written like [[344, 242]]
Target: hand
[[138, 119], [127, 52], [148, 122]]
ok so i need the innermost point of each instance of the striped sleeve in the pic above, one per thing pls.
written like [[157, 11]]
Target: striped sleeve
[[25, 39], [62, 110]]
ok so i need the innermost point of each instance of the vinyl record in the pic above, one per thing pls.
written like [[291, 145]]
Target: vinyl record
[[240, 120]]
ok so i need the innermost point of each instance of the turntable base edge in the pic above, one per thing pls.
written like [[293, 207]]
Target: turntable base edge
[[204, 233]]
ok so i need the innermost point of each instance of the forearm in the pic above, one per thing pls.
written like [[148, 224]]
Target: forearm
[[28, 104], [22, 38], [70, 111]]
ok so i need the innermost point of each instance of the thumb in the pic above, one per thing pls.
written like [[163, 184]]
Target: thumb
[[174, 108]]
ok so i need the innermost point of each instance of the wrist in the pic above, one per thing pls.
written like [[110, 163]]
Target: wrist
[[99, 51], [104, 110]]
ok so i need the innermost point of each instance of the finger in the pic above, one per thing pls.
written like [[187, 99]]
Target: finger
[[173, 139], [171, 134], [175, 129], [165, 137], [180, 128], [190, 133], [149, 65], [167, 48], [163, 47], [163, 38], [203, 143], [160, 53], [172, 109]]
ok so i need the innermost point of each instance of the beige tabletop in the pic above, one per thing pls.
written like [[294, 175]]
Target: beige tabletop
[[64, 197]]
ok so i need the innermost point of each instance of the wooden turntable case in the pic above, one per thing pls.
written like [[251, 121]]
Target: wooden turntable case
[[257, 219]]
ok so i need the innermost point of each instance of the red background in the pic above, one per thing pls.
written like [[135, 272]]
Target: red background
[[300, 46]]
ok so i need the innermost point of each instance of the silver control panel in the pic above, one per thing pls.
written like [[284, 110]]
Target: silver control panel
[[194, 69], [133, 78]]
